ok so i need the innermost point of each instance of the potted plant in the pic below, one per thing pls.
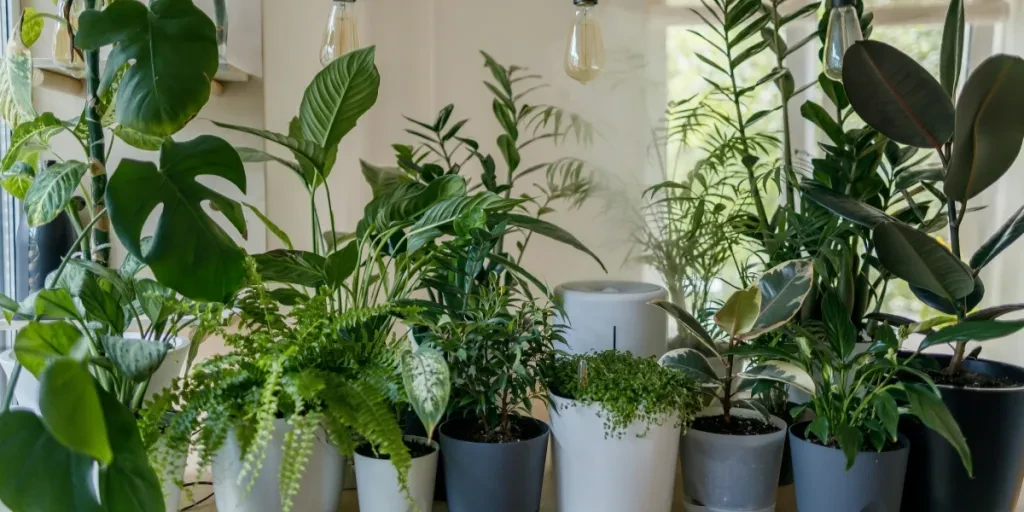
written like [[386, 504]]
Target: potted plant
[[497, 345], [615, 425], [733, 452], [976, 135]]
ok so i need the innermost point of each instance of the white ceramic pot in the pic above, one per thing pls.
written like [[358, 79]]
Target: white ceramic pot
[[319, 489], [378, 488], [27, 391], [598, 473]]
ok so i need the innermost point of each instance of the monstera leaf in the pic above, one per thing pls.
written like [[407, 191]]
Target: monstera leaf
[[783, 290], [172, 49], [190, 252]]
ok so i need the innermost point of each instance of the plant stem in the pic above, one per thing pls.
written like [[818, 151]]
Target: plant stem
[[12, 382], [83, 234], [98, 159], [787, 138], [727, 398]]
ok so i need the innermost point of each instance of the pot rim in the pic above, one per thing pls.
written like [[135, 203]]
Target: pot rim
[[545, 430], [903, 443], [1015, 389], [716, 411]]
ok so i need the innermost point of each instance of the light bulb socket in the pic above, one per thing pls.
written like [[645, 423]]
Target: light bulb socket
[[843, 3], [584, 2]]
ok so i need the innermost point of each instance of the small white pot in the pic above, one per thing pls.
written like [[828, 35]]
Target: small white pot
[[378, 488], [27, 390], [319, 489], [598, 473]]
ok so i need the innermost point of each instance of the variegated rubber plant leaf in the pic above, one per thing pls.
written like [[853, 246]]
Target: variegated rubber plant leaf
[[740, 311], [427, 384], [781, 371], [783, 290]]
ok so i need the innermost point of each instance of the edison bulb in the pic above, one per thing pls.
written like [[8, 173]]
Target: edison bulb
[[843, 31], [342, 33], [64, 53], [584, 54]]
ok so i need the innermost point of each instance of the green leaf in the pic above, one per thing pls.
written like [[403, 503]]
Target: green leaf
[[447, 211], [382, 179], [739, 313], [37, 344], [56, 303], [31, 26], [139, 140], [132, 265], [427, 384], [819, 428], [1007, 234], [16, 84], [850, 442], [71, 408], [190, 253], [688, 322], [341, 264], [129, 483], [305, 152], [274, 228], [48, 476], [895, 95], [18, 180], [101, 305], [30, 137], [817, 115], [692, 363], [135, 358], [509, 150], [848, 208], [989, 129], [994, 312], [52, 190], [155, 301], [888, 413], [981, 330], [335, 100], [292, 267], [928, 406], [951, 54], [944, 305], [551, 231], [253, 155], [172, 51], [783, 290], [781, 371], [842, 334], [922, 261]]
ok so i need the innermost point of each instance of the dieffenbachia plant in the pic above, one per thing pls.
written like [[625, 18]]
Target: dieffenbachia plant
[[747, 314], [977, 133]]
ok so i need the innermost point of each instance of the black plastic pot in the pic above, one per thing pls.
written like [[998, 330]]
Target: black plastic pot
[[992, 421], [874, 483], [46, 245], [496, 477]]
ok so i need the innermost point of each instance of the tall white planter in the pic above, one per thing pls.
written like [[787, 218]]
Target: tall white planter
[[378, 487], [598, 473], [319, 489], [27, 390]]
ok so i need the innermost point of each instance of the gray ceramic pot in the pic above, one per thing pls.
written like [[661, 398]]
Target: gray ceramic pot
[[873, 484], [504, 477], [725, 473]]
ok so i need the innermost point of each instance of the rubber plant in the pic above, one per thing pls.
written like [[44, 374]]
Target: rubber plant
[[977, 134]]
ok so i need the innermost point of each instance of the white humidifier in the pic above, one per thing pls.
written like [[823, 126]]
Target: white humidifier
[[604, 315]]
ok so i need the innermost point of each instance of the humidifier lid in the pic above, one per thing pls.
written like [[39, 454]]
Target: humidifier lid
[[610, 289]]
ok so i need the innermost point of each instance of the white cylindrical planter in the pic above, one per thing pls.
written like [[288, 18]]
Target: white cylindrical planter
[[172, 472], [319, 489], [27, 391], [598, 473], [605, 315], [378, 487]]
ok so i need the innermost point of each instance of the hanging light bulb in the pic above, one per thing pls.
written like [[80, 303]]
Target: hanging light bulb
[[342, 33], [584, 53], [843, 31]]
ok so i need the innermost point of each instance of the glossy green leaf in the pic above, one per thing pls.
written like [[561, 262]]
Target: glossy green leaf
[[292, 267], [841, 333], [129, 483], [341, 264], [819, 428], [952, 51], [305, 152], [509, 151], [994, 312], [37, 344], [56, 303], [981, 330], [922, 261], [171, 48], [989, 127], [888, 413], [895, 95], [17, 180], [740, 311], [382, 179], [31, 26], [850, 441], [549, 230], [48, 476], [687, 321], [850, 209], [253, 155], [31, 137], [783, 290], [929, 407], [335, 100], [71, 409], [781, 371], [817, 115], [101, 305], [154, 299], [139, 140], [692, 363], [52, 190], [427, 384], [445, 212], [1007, 234], [940, 303], [274, 228], [135, 358], [190, 253], [16, 83]]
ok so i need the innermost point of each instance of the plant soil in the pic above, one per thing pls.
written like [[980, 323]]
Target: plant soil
[[416, 449], [967, 379], [522, 429], [736, 427]]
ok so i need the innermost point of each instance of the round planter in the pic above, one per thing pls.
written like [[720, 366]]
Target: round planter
[[598, 473], [606, 315], [378, 487], [727, 473], [27, 391], [319, 488], [874, 483], [992, 421], [497, 477]]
